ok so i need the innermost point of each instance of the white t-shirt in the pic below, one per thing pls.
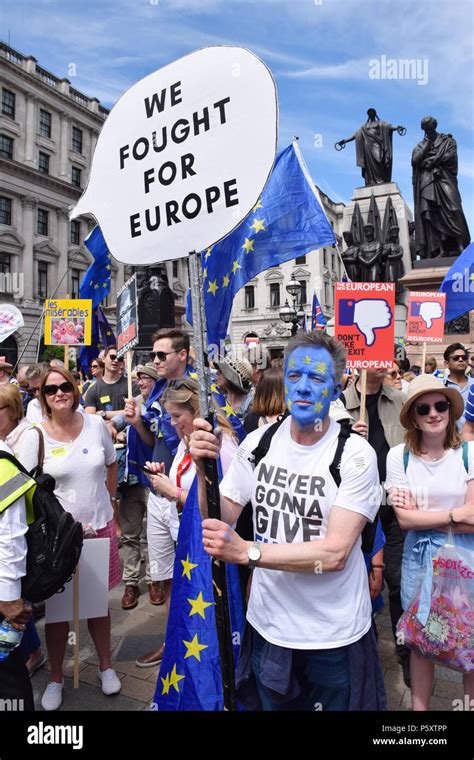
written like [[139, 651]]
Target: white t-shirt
[[228, 449], [79, 470], [436, 486], [292, 493], [34, 413]]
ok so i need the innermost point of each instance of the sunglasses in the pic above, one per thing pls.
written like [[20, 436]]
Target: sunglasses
[[51, 390], [94, 366], [395, 373], [459, 358], [115, 358], [161, 355], [439, 406]]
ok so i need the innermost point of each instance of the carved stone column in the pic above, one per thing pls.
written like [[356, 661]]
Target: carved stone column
[[63, 244], [64, 147], [29, 204], [31, 121]]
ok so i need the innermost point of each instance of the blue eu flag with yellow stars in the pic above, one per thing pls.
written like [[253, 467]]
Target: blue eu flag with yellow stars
[[288, 221], [190, 674], [101, 333], [96, 282], [459, 285]]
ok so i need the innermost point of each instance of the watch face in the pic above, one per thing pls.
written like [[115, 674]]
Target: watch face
[[254, 553]]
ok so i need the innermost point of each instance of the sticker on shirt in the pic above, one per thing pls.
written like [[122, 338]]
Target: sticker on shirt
[[61, 451], [104, 399], [360, 463]]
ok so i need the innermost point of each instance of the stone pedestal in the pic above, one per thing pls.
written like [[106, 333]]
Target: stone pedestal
[[362, 196]]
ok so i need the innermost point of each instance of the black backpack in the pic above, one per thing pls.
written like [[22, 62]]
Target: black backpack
[[54, 538]]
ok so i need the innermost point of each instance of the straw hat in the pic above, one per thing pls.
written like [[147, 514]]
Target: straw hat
[[5, 366], [429, 384], [236, 371]]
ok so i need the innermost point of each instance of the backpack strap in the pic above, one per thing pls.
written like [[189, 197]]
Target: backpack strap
[[335, 466], [265, 441], [40, 448], [465, 455], [406, 456]]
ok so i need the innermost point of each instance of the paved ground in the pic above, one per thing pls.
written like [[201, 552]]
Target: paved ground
[[141, 629]]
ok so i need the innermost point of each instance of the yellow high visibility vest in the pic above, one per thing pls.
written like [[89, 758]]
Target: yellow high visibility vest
[[13, 484]]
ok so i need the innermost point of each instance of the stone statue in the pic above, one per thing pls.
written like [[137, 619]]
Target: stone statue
[[411, 232], [440, 225], [393, 254], [350, 257], [370, 256], [374, 148]]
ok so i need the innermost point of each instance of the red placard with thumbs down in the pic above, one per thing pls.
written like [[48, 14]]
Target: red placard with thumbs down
[[426, 312], [365, 323]]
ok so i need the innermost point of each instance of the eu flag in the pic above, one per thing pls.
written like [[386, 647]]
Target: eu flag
[[190, 674], [459, 285], [318, 320], [101, 334], [288, 221], [96, 282]]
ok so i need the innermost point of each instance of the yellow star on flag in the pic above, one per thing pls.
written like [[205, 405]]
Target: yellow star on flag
[[227, 409], [258, 225], [194, 648], [214, 388], [325, 393], [187, 567], [235, 266], [166, 684], [225, 281], [198, 606], [248, 245], [96, 285], [204, 274], [175, 678], [208, 253], [286, 389], [257, 205], [213, 286], [108, 266]]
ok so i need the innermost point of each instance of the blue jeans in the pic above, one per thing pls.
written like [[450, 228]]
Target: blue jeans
[[323, 675]]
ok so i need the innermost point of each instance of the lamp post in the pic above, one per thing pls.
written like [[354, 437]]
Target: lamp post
[[289, 314]]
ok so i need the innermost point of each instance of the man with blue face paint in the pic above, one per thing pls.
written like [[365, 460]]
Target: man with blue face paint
[[308, 643]]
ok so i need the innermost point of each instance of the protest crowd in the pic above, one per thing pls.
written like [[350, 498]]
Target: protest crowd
[[323, 508]]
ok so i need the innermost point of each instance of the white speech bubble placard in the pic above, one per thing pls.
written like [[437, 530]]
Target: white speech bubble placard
[[183, 156]]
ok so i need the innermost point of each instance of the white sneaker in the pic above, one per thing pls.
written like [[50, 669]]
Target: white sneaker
[[53, 696], [111, 684]]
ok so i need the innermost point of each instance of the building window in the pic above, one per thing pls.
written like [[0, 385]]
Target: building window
[[327, 294], [8, 103], [303, 298], [6, 146], [5, 263], [77, 140], [5, 210], [275, 294], [43, 163], [175, 268], [42, 279], [75, 234], [300, 260], [45, 123], [75, 281], [76, 176], [250, 297], [42, 225]]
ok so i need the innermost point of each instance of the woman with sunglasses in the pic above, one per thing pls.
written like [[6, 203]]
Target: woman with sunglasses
[[181, 400], [96, 372], [80, 456], [431, 490]]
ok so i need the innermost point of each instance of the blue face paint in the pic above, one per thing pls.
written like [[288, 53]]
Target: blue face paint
[[310, 385]]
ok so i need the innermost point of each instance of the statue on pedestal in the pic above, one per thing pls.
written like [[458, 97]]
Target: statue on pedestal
[[350, 257], [393, 255], [440, 225], [374, 148], [370, 256]]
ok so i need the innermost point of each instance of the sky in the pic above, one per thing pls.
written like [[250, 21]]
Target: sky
[[328, 58]]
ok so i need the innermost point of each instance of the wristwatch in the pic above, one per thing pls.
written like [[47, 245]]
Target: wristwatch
[[103, 414], [254, 554]]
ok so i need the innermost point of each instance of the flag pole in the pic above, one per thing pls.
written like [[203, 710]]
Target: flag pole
[[223, 624]]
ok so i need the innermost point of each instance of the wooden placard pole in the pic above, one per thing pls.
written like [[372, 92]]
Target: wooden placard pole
[[363, 393], [76, 626], [66, 357], [423, 359], [128, 360]]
